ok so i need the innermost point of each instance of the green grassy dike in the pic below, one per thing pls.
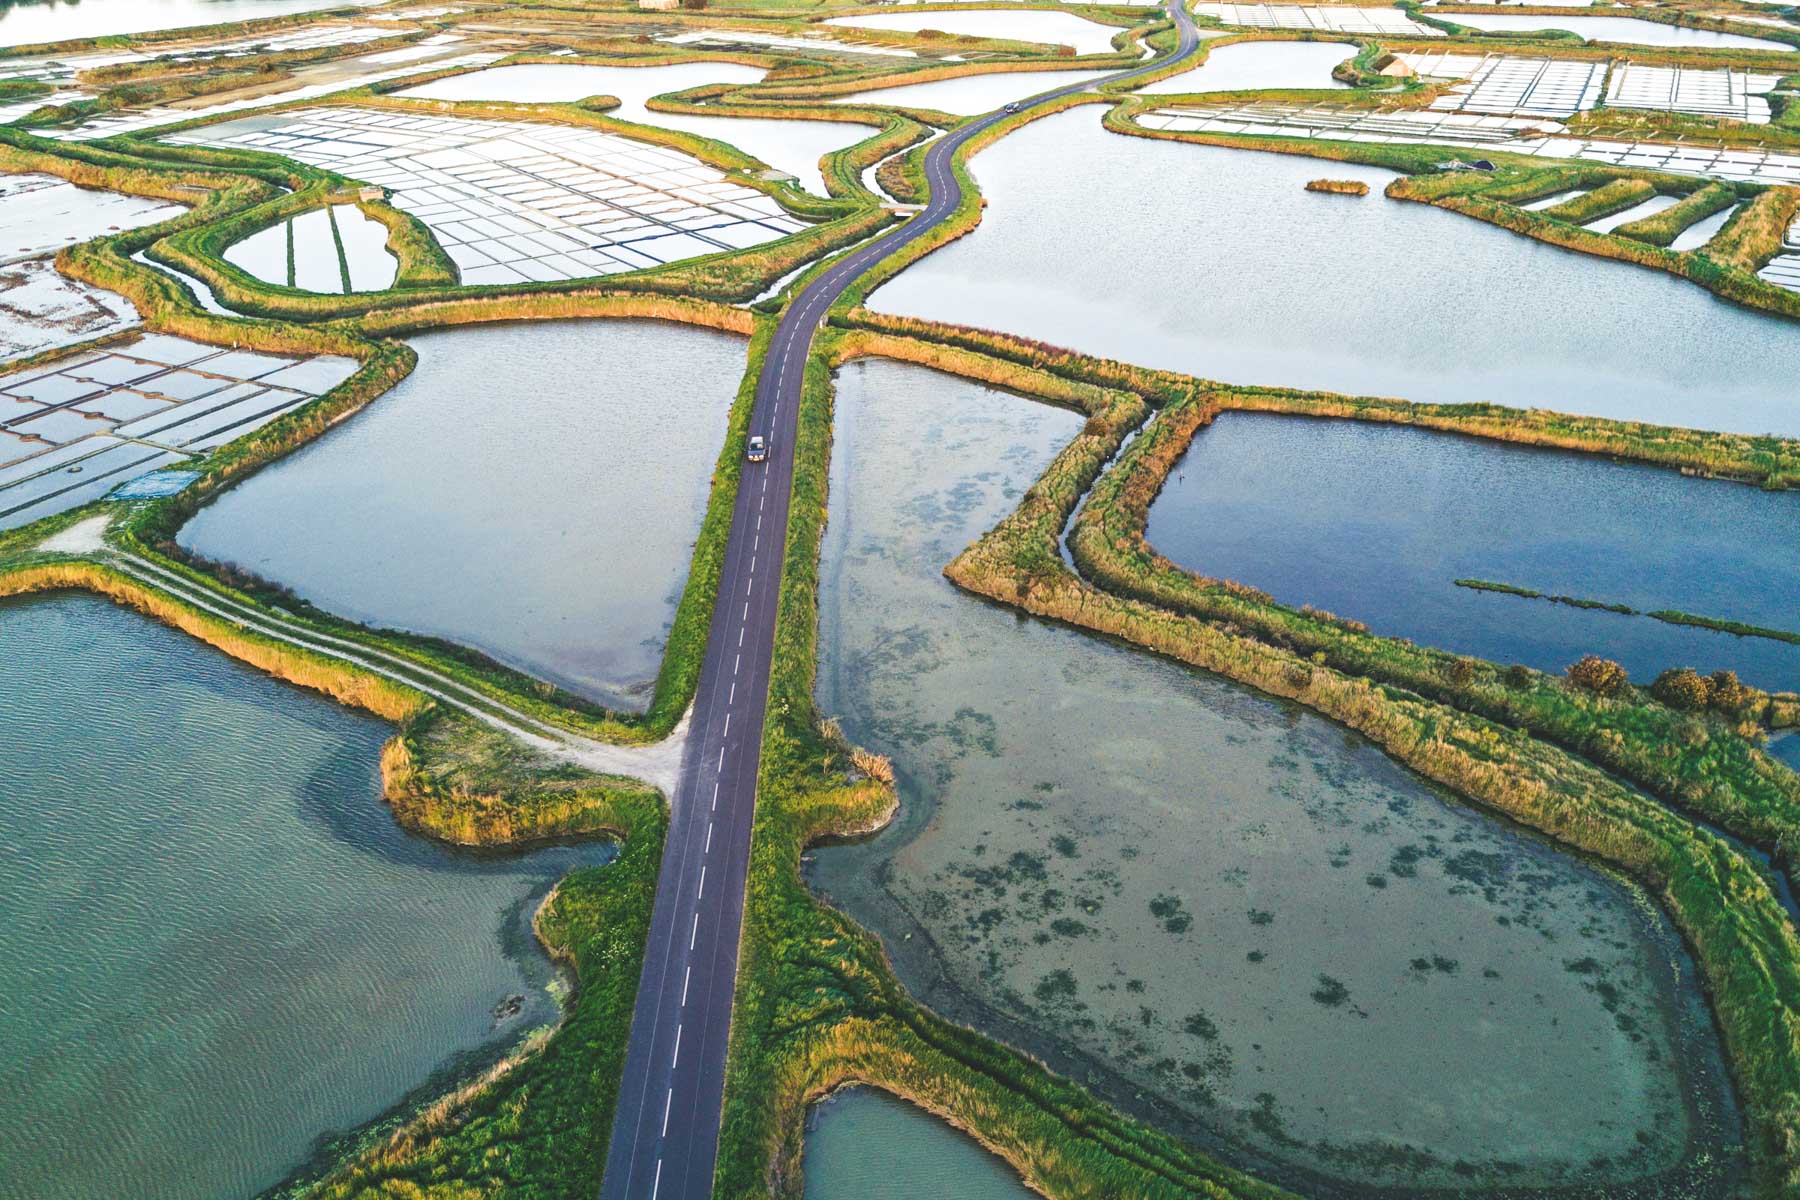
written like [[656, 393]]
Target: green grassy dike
[[818, 1006], [1719, 898], [535, 1125]]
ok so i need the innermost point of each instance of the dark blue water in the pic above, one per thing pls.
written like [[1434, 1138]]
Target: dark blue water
[[1375, 522]]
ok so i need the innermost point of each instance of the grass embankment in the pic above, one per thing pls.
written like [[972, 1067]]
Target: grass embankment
[[1445, 19], [818, 1006], [1723, 266], [1705, 766], [168, 306], [426, 274], [1605, 200], [1754, 234], [1662, 228], [1670, 616], [1721, 900], [535, 1125], [163, 81], [152, 530], [841, 169]]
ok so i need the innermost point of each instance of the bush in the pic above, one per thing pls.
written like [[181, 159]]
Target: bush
[[1518, 676], [1601, 676], [1682, 688], [1726, 693], [1458, 671]]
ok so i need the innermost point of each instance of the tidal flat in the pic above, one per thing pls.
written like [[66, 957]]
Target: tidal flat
[[220, 947], [1419, 303], [532, 491], [1228, 915]]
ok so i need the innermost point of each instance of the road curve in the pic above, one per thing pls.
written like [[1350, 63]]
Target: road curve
[[665, 1134]]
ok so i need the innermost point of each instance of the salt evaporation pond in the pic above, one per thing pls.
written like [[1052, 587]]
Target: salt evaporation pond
[[40, 214], [530, 490], [1227, 914], [1376, 522], [302, 252], [219, 946], [1243, 66], [40, 21], [1253, 279], [791, 146], [1020, 25], [868, 1145], [966, 95], [1703, 230], [1630, 31]]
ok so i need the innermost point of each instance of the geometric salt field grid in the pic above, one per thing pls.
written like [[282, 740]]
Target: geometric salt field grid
[[140, 119], [1719, 92], [73, 430], [1783, 271], [1524, 87], [737, 37], [40, 214], [1514, 135], [524, 201], [1326, 18], [41, 309]]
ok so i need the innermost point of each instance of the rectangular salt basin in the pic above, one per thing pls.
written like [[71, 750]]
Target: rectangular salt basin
[[204, 402], [53, 214]]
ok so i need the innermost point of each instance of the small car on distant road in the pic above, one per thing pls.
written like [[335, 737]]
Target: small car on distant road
[[759, 449], [1012, 106]]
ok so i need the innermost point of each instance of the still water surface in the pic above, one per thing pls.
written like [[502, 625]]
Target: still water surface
[[218, 944], [1242, 66], [1178, 889], [866, 1145], [1219, 263], [315, 235], [1375, 522], [532, 491], [970, 94]]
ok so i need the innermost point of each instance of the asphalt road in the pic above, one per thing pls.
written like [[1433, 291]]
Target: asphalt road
[[665, 1134]]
